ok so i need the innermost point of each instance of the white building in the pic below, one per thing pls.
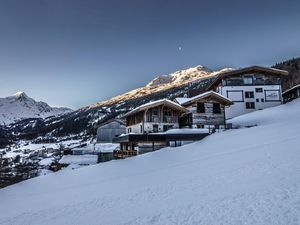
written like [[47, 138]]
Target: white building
[[154, 117], [252, 88]]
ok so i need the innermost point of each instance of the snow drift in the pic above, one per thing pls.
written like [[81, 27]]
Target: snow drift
[[242, 176]]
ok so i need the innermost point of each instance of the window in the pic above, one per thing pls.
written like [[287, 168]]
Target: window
[[167, 127], [155, 128], [129, 130], [258, 90], [141, 126], [250, 105], [257, 100], [167, 113], [216, 108], [248, 80], [249, 94], [262, 100], [155, 112], [200, 107]]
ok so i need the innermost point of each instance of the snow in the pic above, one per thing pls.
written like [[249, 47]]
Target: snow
[[20, 106], [107, 147], [164, 82], [181, 100], [154, 103], [292, 88], [188, 131], [241, 176], [46, 161], [79, 159]]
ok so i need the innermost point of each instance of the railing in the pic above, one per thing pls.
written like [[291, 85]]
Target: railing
[[166, 119], [170, 119]]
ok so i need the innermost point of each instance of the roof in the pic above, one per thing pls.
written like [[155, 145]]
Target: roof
[[212, 94], [181, 100], [111, 121], [251, 69], [153, 104], [292, 88], [79, 159], [106, 147]]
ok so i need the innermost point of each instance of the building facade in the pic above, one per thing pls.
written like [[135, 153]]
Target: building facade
[[106, 132], [154, 117], [206, 110], [250, 89]]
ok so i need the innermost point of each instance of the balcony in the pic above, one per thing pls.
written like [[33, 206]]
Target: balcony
[[166, 119]]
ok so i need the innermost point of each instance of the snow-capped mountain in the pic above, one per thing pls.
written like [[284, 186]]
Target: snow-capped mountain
[[20, 106], [164, 82]]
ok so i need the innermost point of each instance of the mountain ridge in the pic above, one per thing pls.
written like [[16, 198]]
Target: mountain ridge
[[84, 121], [19, 106]]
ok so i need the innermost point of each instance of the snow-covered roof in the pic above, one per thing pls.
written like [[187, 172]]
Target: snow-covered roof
[[181, 100], [250, 69], [166, 102], [188, 131], [46, 161], [217, 96], [99, 147], [79, 159], [107, 147], [292, 88]]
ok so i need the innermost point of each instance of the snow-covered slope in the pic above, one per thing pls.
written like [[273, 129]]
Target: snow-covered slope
[[164, 82], [20, 106], [242, 176]]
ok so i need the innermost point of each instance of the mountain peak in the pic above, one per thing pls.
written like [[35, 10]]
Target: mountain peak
[[20, 106], [20, 94]]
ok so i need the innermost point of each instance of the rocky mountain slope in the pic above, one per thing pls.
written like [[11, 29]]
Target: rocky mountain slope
[[20, 106], [165, 82]]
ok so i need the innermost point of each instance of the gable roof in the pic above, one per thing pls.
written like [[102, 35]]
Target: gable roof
[[209, 94], [153, 104], [181, 100], [117, 120], [251, 69]]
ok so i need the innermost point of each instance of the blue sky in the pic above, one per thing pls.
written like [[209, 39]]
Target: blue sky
[[74, 53]]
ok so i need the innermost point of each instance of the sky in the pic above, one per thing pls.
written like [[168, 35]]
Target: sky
[[78, 52]]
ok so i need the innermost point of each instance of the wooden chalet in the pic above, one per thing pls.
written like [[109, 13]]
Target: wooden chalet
[[154, 117], [206, 110]]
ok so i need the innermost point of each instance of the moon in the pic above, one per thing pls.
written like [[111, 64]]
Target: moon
[[179, 48]]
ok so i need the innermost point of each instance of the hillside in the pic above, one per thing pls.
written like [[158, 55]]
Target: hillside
[[293, 66], [241, 176], [20, 106], [166, 82], [84, 121]]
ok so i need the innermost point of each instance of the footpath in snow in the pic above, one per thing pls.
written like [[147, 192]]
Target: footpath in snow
[[242, 176]]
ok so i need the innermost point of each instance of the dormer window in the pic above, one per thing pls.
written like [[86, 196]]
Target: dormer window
[[248, 80]]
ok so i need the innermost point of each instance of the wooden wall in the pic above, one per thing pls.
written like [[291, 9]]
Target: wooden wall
[[207, 118]]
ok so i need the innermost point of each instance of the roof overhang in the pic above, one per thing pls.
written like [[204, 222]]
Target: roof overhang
[[209, 95], [164, 102], [251, 69]]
